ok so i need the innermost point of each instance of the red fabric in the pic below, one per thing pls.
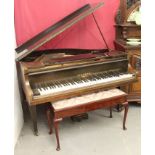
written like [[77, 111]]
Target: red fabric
[[33, 16]]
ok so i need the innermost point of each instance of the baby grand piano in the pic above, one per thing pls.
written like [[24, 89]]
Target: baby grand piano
[[52, 75]]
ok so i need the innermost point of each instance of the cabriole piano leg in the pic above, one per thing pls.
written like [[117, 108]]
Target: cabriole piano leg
[[56, 121], [126, 106], [33, 114]]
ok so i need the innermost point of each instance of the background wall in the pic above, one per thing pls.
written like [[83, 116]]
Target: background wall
[[31, 17], [7, 41], [18, 113]]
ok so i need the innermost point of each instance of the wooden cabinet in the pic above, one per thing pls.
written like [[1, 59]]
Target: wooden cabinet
[[134, 57], [124, 31]]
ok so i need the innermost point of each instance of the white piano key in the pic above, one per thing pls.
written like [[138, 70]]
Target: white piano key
[[73, 84]]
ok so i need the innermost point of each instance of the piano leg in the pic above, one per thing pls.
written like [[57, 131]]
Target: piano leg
[[56, 121], [48, 113], [110, 112], [21, 92], [33, 114], [126, 106]]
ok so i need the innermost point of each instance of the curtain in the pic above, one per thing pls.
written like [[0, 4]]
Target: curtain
[[33, 16]]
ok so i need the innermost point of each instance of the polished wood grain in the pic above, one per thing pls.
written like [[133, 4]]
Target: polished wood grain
[[111, 62], [59, 114], [135, 88], [125, 9], [125, 30]]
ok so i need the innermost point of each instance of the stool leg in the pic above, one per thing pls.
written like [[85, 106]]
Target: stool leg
[[48, 113], [56, 133], [110, 112], [126, 106]]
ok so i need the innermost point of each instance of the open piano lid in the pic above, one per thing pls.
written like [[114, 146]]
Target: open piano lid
[[54, 30]]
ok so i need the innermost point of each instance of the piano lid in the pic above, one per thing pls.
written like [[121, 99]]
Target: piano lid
[[54, 30]]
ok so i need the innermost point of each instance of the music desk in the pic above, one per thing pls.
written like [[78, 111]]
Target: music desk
[[83, 104]]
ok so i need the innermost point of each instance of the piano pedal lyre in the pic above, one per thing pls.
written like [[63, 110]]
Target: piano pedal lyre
[[80, 117]]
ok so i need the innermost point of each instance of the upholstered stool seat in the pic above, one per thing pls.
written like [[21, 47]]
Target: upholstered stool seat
[[85, 99], [82, 104]]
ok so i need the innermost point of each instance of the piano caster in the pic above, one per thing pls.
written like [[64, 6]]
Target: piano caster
[[58, 148], [56, 122], [35, 128], [79, 118], [124, 128]]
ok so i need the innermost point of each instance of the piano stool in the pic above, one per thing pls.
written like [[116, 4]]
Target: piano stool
[[82, 104]]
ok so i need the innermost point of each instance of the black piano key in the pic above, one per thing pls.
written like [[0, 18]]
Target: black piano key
[[43, 86], [72, 82], [65, 83], [60, 84], [97, 77], [116, 74], [53, 85], [36, 92], [39, 86], [78, 80], [56, 84], [50, 85]]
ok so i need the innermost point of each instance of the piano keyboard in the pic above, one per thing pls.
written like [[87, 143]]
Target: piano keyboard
[[52, 87]]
